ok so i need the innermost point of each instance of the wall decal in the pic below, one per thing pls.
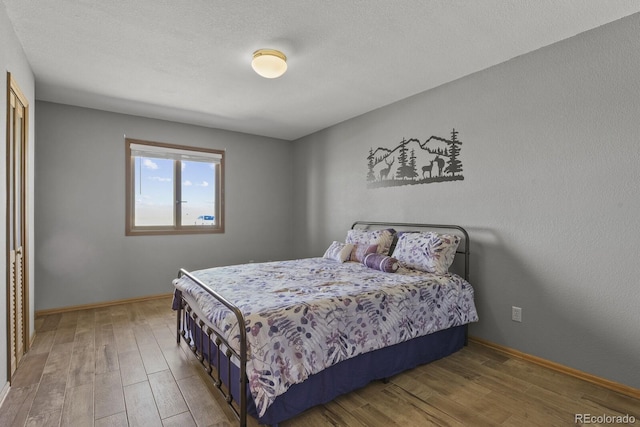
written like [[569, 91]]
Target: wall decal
[[414, 162]]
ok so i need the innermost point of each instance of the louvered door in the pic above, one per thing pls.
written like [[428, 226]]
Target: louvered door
[[17, 294]]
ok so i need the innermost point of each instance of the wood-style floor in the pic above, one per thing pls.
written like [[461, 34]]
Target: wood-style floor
[[120, 365]]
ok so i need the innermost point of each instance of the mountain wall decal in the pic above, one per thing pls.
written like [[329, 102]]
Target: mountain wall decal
[[410, 162]]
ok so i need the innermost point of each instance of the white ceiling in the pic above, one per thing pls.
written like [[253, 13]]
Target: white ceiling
[[189, 60]]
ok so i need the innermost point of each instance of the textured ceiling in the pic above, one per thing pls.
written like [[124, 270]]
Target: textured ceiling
[[189, 61]]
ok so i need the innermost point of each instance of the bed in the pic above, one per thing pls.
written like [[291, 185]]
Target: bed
[[390, 297]]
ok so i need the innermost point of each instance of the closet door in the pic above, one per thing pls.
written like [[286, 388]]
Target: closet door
[[18, 280]]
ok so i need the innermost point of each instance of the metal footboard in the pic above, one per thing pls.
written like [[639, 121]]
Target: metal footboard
[[185, 312]]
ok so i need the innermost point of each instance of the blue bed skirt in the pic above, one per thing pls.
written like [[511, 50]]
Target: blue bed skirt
[[341, 378]]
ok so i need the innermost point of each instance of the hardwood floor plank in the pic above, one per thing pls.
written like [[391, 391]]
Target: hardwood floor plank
[[16, 405], [49, 398], [116, 420], [125, 339], [168, 398], [412, 384], [68, 319], [56, 369], [528, 408], [432, 414], [486, 407], [144, 335], [85, 337], [621, 403], [135, 315], [141, 407], [65, 335], [37, 323], [560, 404], [131, 367], [457, 386], [351, 400], [50, 419], [165, 336], [31, 368], [78, 406], [406, 411], [181, 420], [497, 381], [50, 323], [332, 414], [152, 358], [616, 403], [458, 411], [108, 394], [82, 366], [107, 359], [103, 316], [119, 315], [86, 319], [203, 406], [517, 420], [104, 335], [179, 362], [42, 342], [371, 416]]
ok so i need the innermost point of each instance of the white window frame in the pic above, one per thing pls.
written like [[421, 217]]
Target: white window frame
[[178, 153]]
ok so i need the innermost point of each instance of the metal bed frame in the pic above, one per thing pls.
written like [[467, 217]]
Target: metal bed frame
[[241, 356], [186, 314]]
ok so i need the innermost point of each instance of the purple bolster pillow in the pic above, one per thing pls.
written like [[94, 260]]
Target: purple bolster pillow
[[381, 262]]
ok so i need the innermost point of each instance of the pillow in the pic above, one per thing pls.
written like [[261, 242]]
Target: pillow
[[428, 251], [382, 238], [338, 251], [399, 234], [381, 262], [359, 251]]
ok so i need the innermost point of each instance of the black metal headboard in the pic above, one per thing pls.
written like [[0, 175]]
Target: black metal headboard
[[461, 252]]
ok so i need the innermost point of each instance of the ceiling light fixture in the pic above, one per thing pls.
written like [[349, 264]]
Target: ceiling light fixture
[[269, 63]]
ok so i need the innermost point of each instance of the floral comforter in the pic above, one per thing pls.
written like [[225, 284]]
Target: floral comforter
[[305, 315]]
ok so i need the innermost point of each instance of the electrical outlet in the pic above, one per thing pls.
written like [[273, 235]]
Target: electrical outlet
[[516, 314]]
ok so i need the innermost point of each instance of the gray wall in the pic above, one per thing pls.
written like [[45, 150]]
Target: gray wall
[[13, 60], [551, 194], [82, 253]]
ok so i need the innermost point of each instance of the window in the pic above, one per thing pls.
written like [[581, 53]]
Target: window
[[173, 189]]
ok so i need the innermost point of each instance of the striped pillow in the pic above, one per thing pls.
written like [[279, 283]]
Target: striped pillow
[[381, 262]]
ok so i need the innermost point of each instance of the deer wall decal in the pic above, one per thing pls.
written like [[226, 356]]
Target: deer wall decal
[[426, 169], [384, 172]]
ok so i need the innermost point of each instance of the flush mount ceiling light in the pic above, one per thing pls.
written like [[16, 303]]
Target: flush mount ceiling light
[[269, 63]]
